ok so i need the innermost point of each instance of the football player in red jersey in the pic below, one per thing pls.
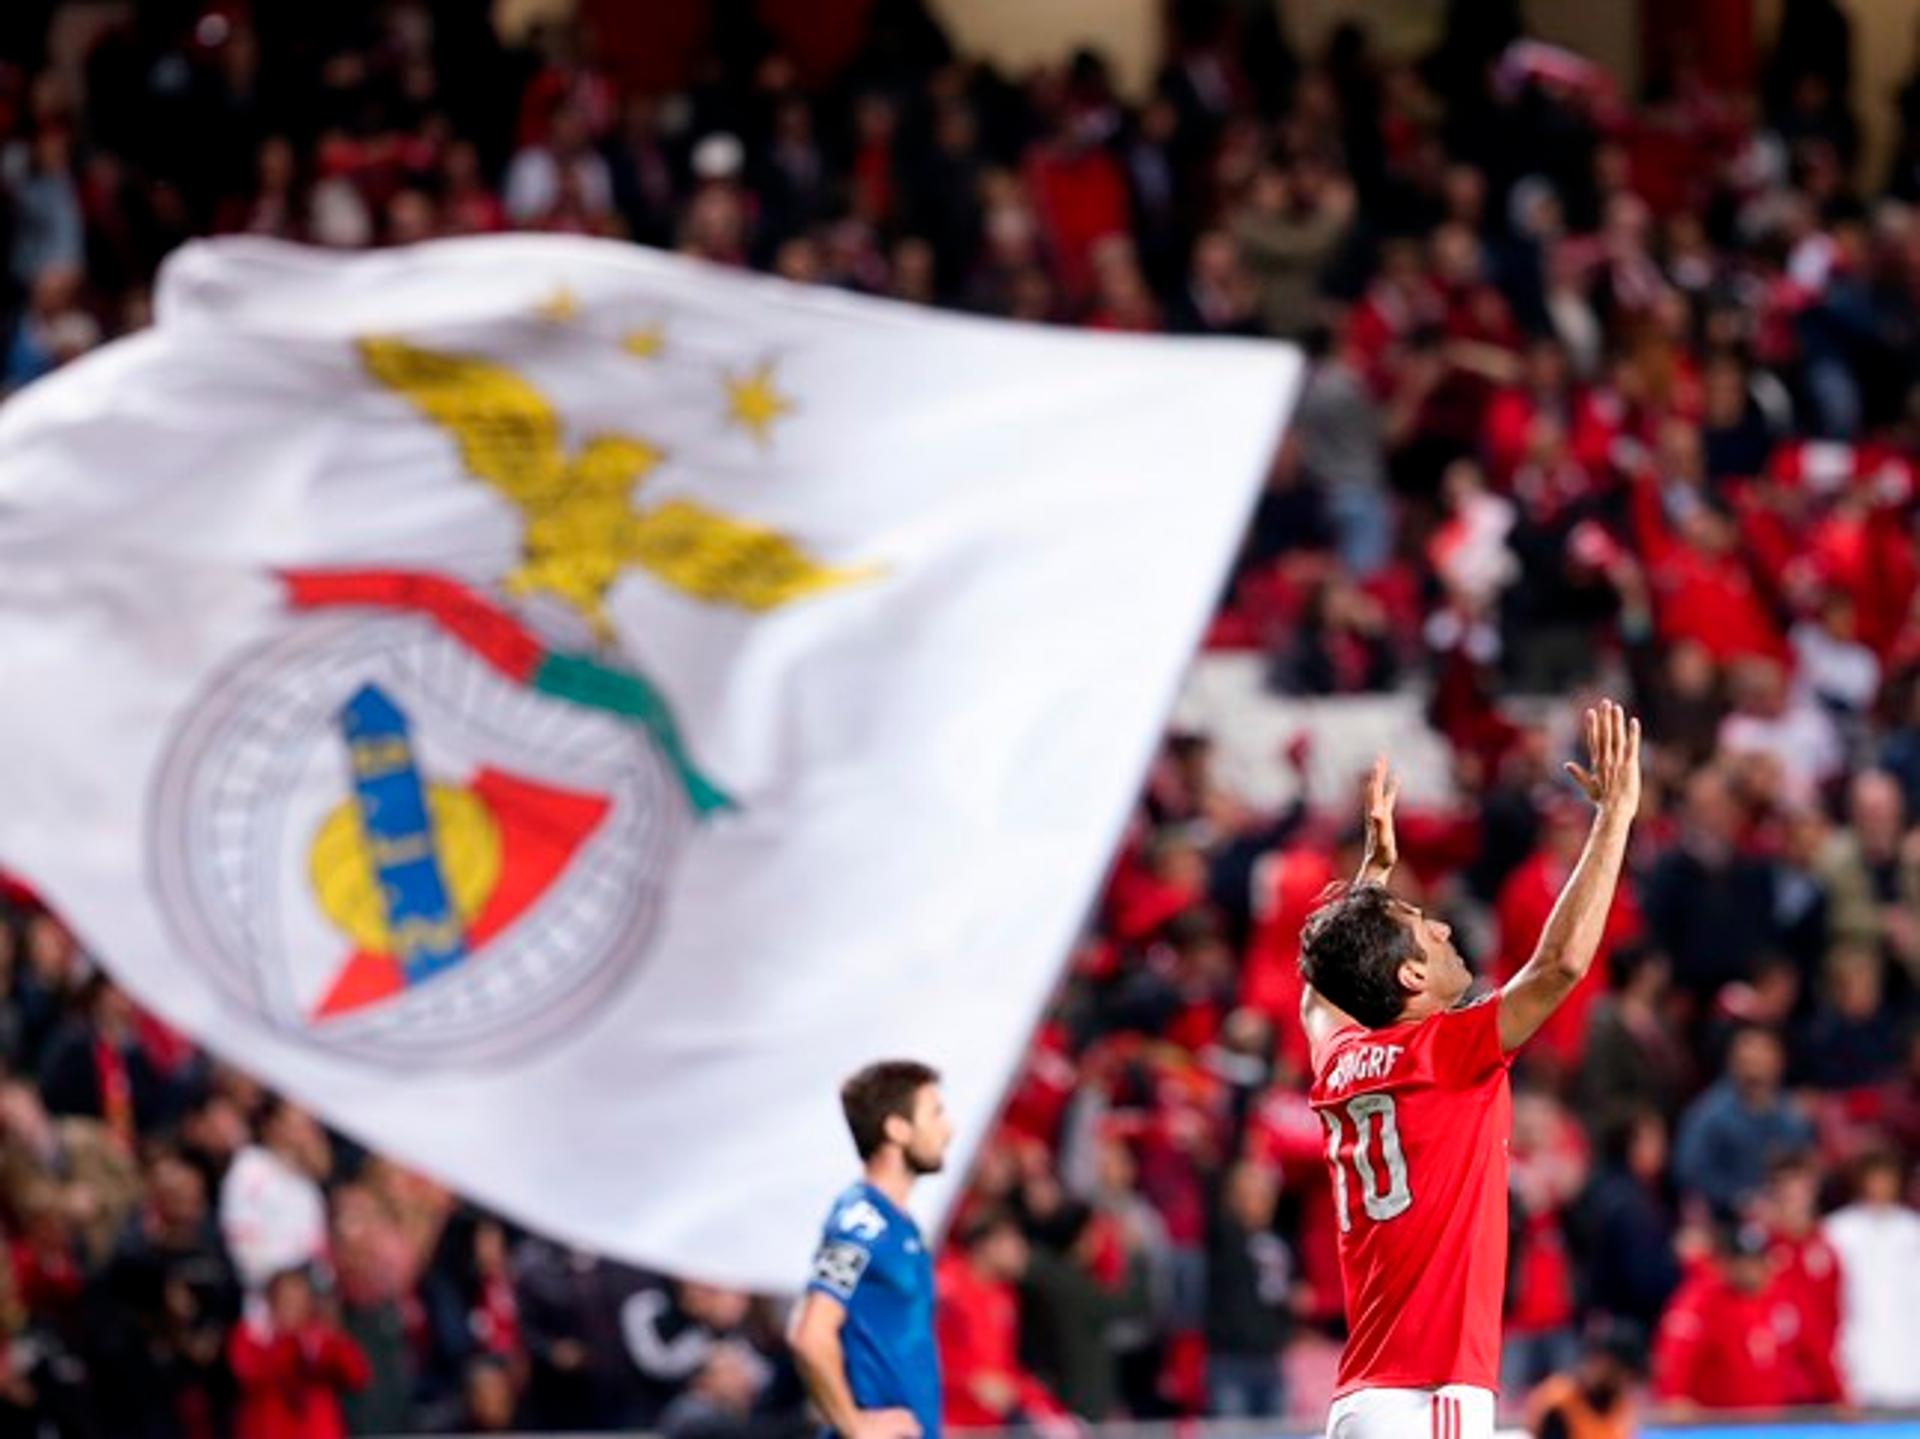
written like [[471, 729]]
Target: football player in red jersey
[[1410, 1079]]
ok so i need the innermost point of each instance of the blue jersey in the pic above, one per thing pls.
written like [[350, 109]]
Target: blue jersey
[[874, 1264]]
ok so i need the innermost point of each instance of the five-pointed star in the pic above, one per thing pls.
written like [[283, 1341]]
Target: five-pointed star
[[754, 402], [582, 528], [559, 308], [645, 343]]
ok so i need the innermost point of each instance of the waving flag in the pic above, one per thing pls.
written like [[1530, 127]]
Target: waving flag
[[555, 708]]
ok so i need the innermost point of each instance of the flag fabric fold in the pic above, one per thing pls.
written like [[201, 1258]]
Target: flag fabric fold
[[556, 708]]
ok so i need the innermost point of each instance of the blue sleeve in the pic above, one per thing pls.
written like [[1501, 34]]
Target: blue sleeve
[[848, 1250]]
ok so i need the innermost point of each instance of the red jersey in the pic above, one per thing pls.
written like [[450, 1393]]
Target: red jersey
[[1809, 1316], [977, 1322], [1417, 1117], [1721, 1347], [290, 1384]]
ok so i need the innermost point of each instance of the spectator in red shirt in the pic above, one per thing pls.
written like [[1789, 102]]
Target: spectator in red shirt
[[468, 205], [1549, 479], [1399, 303], [977, 1321], [566, 80], [1152, 887], [1808, 1277], [1080, 194], [1526, 899], [292, 1365], [1483, 341], [1548, 1169], [494, 1318], [1285, 885], [1702, 587], [1544, 391], [1718, 1346], [47, 1263]]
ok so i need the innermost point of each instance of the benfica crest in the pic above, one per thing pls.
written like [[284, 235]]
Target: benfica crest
[[410, 828]]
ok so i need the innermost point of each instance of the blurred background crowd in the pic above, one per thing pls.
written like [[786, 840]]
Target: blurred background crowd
[[1606, 390]]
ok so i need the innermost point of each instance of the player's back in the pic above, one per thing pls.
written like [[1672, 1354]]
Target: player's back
[[1417, 1118]]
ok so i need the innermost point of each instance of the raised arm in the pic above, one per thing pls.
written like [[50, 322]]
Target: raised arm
[[1318, 1017], [1572, 934], [1383, 848], [1321, 1019]]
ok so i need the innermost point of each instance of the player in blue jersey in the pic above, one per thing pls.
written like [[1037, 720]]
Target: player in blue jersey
[[863, 1335]]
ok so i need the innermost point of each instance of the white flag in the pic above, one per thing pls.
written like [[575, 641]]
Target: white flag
[[556, 709]]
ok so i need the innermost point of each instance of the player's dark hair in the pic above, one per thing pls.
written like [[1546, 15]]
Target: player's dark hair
[[878, 1093], [1351, 951]]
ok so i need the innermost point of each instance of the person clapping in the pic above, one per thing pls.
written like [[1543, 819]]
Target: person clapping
[[292, 1364]]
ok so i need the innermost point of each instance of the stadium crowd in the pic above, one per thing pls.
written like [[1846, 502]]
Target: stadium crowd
[[1605, 389]]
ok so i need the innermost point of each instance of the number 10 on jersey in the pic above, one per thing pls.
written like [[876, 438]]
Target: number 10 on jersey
[[1372, 1114]]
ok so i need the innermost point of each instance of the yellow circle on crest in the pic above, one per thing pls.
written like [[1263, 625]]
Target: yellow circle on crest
[[340, 866]]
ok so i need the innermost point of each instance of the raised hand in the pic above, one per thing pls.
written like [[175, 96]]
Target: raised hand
[[1579, 918], [1383, 848], [1613, 749]]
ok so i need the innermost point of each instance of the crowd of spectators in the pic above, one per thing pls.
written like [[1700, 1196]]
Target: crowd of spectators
[[1604, 391]]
